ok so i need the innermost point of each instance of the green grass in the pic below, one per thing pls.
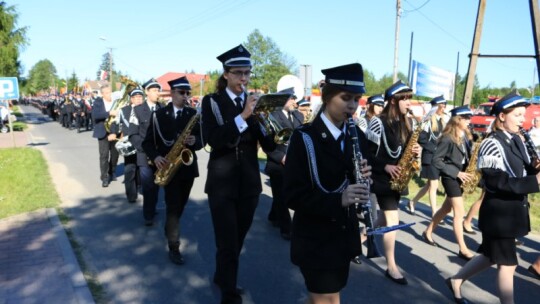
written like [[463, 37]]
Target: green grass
[[25, 182], [417, 183]]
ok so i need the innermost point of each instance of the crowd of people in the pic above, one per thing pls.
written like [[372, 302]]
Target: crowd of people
[[328, 169]]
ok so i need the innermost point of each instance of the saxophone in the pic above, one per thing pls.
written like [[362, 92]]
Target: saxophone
[[178, 155], [470, 186], [129, 85], [409, 162]]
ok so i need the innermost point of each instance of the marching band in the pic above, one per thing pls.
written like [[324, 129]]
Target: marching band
[[333, 166]]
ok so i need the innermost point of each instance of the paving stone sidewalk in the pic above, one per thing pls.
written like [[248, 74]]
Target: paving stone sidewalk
[[37, 263]]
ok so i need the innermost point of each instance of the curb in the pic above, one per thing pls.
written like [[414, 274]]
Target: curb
[[82, 292]]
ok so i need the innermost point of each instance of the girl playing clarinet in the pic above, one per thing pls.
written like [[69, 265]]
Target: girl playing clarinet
[[320, 187]]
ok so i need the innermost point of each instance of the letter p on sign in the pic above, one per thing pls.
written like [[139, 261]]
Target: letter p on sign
[[9, 88]]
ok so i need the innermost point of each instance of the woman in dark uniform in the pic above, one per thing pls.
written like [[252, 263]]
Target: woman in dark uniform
[[388, 136], [319, 186], [233, 183], [451, 159], [508, 177], [428, 140]]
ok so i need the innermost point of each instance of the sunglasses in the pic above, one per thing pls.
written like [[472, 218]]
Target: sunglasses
[[182, 92]]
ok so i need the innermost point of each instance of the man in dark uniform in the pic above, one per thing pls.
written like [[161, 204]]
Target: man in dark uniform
[[108, 156], [233, 184], [167, 128], [137, 132], [78, 106], [130, 161], [70, 111], [289, 118]]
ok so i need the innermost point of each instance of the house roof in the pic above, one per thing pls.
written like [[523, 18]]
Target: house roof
[[192, 78]]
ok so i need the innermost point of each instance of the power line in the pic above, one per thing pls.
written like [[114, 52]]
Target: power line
[[414, 10]]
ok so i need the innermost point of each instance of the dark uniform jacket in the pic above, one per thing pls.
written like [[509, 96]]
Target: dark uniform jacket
[[428, 140], [324, 234], [233, 168], [154, 146], [273, 163], [379, 154], [99, 115], [448, 158], [505, 209], [137, 131]]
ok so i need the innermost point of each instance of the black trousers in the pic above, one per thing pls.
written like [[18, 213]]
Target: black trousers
[[279, 211], [150, 191], [232, 219], [131, 177], [108, 158], [176, 198]]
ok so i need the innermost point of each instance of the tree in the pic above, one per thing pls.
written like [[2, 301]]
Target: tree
[[12, 41], [42, 78], [73, 83], [269, 63], [105, 66]]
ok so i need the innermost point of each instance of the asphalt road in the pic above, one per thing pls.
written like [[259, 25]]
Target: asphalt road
[[130, 260]]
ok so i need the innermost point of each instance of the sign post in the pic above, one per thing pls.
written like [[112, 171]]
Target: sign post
[[9, 89]]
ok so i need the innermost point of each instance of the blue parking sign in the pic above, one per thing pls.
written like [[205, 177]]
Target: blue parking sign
[[9, 88]]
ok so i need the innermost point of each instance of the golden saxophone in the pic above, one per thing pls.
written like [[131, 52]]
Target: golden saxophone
[[178, 155], [129, 85], [469, 186], [409, 162]]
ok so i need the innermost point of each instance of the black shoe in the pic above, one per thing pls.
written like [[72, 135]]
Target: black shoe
[[518, 242], [356, 260], [132, 201], [148, 223], [468, 231], [457, 300], [401, 281], [176, 257], [534, 272], [239, 290], [463, 256], [432, 243], [105, 183], [112, 178]]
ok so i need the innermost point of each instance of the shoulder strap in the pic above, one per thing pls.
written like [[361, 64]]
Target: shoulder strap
[[312, 164]]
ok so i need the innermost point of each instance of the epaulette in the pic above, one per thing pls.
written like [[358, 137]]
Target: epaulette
[[491, 154], [374, 130]]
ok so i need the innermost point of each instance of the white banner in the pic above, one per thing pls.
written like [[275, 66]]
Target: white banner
[[431, 81]]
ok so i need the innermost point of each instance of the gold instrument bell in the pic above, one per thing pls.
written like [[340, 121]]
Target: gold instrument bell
[[263, 112]]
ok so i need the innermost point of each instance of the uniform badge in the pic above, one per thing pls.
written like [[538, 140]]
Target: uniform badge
[[323, 135], [240, 49]]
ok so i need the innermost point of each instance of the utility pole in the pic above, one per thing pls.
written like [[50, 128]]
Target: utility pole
[[396, 45], [410, 58], [474, 52], [110, 69]]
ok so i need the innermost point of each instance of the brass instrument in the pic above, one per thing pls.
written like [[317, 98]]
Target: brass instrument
[[129, 85], [178, 155], [265, 106], [469, 186], [409, 162]]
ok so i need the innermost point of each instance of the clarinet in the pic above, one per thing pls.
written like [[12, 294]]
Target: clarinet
[[359, 178], [365, 209], [529, 144]]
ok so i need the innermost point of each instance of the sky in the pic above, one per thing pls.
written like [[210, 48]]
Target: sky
[[151, 38]]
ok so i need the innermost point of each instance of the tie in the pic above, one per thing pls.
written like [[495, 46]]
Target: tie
[[290, 118], [178, 114], [238, 101], [340, 139]]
